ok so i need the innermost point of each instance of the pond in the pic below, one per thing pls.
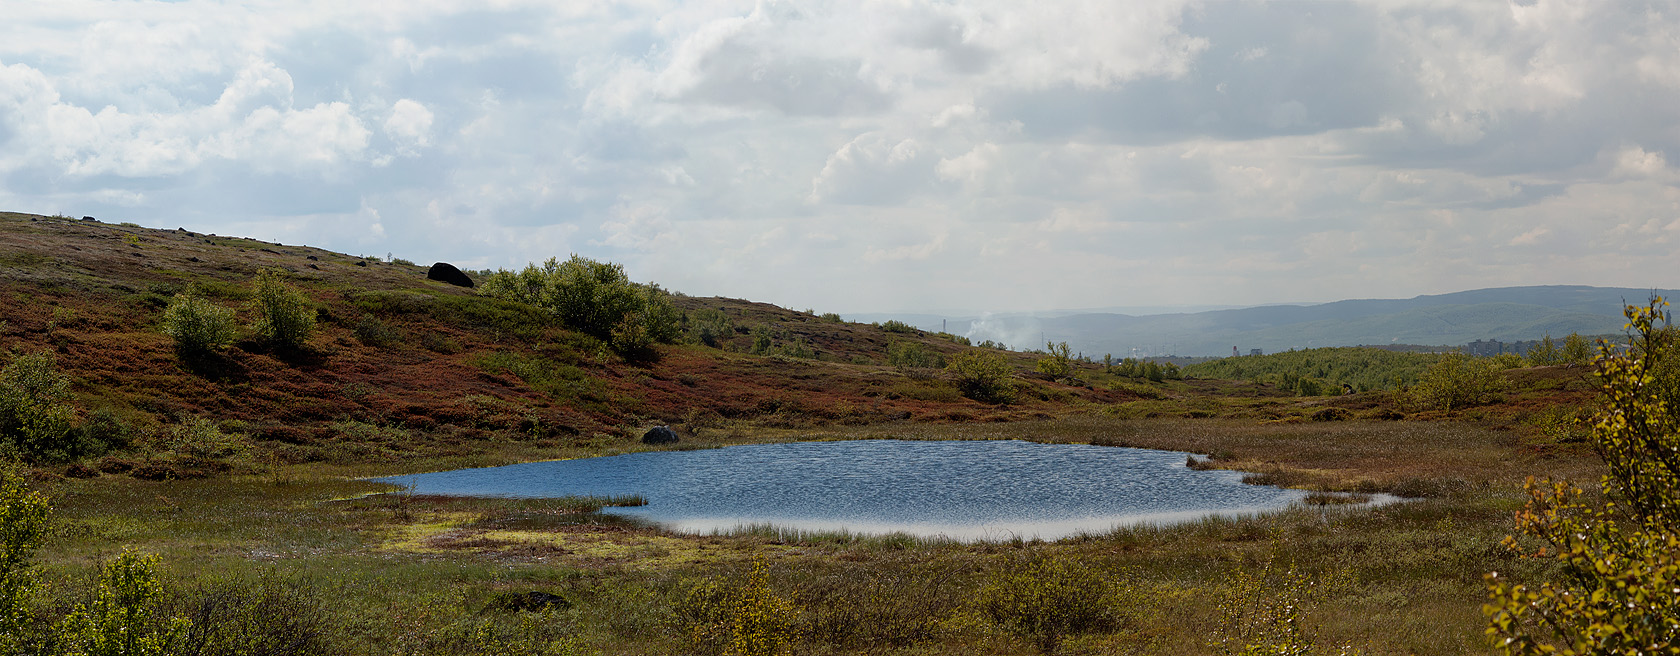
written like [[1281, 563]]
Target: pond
[[962, 490]]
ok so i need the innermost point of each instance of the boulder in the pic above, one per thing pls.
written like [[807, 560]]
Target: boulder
[[446, 272], [660, 435]]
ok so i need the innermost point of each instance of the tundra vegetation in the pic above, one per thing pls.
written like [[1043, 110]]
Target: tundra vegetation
[[159, 506]]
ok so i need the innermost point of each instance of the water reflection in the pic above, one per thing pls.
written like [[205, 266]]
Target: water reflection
[[987, 490]]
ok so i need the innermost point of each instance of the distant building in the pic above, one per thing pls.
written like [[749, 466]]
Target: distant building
[[1255, 352], [1484, 348]]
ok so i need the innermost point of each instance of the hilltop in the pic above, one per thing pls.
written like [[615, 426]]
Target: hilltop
[[404, 367]]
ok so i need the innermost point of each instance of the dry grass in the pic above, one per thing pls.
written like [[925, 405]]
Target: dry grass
[[380, 576]]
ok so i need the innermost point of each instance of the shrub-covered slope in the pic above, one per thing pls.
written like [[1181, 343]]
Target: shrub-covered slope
[[401, 366]]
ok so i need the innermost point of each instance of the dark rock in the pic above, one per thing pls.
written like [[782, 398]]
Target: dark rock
[[446, 272], [660, 435], [89, 218], [193, 259], [312, 257], [315, 267], [361, 263], [270, 250]]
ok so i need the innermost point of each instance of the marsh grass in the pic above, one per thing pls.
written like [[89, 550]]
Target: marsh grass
[[366, 580]]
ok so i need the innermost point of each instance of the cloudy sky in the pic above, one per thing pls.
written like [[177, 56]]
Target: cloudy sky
[[883, 155]]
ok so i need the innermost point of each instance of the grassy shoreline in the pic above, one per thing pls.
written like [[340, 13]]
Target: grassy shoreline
[[391, 575]]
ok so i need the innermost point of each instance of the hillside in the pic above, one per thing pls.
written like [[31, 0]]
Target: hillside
[[1505, 314], [403, 367]]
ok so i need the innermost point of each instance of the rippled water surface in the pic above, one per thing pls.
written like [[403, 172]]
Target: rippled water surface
[[963, 490]]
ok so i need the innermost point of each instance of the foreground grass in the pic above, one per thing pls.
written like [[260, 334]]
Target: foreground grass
[[383, 574]]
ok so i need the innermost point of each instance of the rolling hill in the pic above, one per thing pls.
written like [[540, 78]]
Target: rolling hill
[[1505, 314]]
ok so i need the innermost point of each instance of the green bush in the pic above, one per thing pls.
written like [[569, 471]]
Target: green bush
[[23, 525], [909, 357], [121, 620], [983, 375], [1047, 598], [1056, 362], [1577, 352], [896, 326], [741, 617], [201, 438], [595, 298], [711, 328], [285, 317], [369, 330], [34, 420], [1545, 353], [198, 326], [1455, 382], [1618, 553]]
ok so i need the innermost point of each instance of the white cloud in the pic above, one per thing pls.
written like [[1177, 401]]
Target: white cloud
[[985, 154], [410, 124]]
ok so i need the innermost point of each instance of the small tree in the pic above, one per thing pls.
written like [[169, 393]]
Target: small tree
[[982, 375], [1620, 557], [1576, 350], [34, 420], [285, 318], [711, 328], [198, 326], [595, 298], [910, 356], [1545, 353], [23, 524], [121, 620], [1056, 364], [1456, 381]]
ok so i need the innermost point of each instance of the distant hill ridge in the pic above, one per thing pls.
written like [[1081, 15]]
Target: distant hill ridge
[[1503, 313]]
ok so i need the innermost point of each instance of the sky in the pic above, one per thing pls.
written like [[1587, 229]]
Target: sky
[[880, 155]]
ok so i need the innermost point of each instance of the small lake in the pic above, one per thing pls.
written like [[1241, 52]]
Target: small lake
[[962, 490]]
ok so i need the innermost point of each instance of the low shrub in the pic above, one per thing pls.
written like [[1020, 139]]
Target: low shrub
[[23, 526], [285, 318], [35, 422], [198, 437], [739, 617], [1455, 382], [1047, 598], [198, 326], [982, 375], [1331, 414], [912, 358], [122, 618], [710, 328], [268, 617], [592, 297], [370, 331]]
